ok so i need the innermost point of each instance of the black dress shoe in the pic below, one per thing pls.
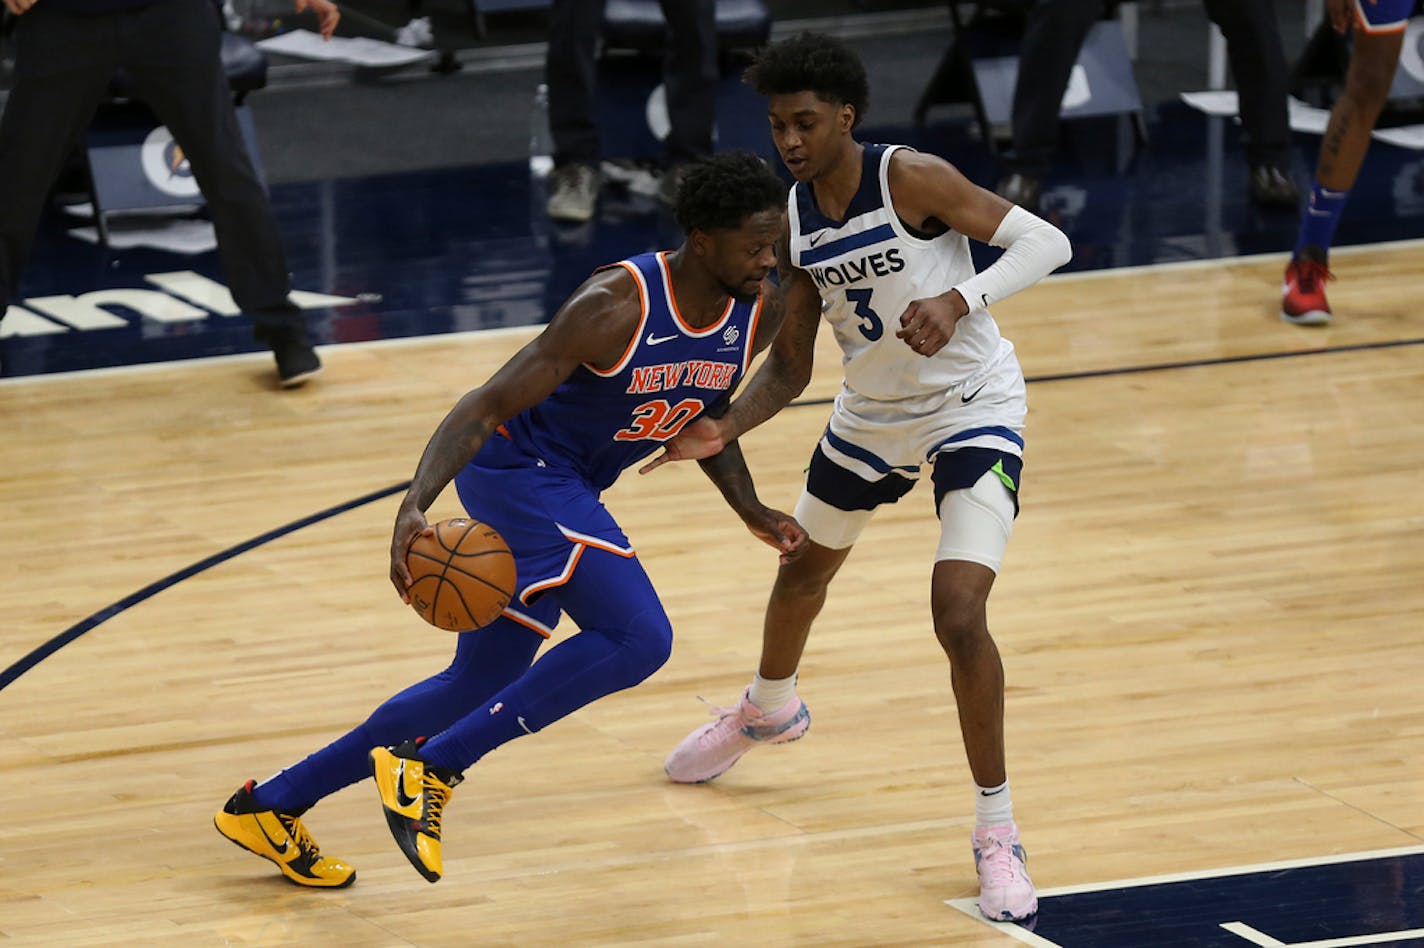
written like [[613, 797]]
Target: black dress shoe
[[1272, 187], [297, 361], [1020, 189]]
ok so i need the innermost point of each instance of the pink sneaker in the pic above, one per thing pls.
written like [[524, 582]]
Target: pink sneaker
[[713, 748], [1005, 891]]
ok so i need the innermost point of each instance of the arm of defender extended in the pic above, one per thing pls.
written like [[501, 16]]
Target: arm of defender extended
[[728, 470], [793, 314]]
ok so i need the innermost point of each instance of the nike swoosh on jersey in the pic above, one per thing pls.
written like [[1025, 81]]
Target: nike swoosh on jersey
[[816, 238], [966, 399], [659, 340]]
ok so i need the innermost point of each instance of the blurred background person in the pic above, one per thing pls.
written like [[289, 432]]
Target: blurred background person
[[1053, 37], [1378, 37], [689, 73], [66, 51]]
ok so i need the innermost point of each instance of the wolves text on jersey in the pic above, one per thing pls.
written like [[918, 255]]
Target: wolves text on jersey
[[880, 263]]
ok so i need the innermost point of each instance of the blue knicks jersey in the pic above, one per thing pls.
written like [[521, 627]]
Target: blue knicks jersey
[[597, 423]]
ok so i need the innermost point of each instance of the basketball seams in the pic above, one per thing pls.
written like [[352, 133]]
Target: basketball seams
[[440, 535], [452, 567], [445, 568]]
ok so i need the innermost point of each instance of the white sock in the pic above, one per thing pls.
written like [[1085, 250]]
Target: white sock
[[772, 694], [993, 805]]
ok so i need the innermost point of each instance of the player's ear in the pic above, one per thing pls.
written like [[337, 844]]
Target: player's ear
[[847, 117], [699, 242]]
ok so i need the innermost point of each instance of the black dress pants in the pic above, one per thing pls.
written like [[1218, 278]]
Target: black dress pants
[[689, 72], [171, 50], [1055, 33]]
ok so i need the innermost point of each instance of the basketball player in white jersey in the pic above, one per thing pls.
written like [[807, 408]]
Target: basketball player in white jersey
[[879, 235]]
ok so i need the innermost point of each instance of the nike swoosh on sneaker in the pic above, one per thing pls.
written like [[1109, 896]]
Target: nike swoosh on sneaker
[[280, 848], [402, 797]]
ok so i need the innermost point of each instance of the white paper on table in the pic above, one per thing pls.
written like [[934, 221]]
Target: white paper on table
[[175, 236], [1405, 136], [1307, 118], [1218, 102], [359, 50], [1223, 103]]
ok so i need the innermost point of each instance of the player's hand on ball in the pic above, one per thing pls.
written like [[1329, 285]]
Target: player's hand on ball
[[779, 530], [410, 523]]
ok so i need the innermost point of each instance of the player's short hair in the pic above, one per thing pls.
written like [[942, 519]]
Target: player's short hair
[[725, 190], [812, 62]]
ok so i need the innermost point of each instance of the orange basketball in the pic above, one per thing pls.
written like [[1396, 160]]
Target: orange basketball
[[462, 575]]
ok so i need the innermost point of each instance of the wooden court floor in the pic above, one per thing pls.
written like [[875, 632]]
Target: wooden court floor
[[1210, 617]]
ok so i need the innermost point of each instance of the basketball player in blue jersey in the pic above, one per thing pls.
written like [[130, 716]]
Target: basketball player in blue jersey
[[879, 234], [640, 350], [1378, 36]]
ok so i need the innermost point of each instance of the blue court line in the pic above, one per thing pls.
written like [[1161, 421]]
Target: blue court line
[[8, 676], [1227, 360]]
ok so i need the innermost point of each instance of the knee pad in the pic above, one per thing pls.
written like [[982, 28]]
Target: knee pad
[[975, 523]]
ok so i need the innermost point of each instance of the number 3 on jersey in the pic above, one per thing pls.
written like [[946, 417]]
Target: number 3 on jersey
[[870, 326], [659, 421]]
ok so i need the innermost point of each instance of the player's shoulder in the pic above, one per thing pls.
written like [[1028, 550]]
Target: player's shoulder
[[907, 162], [611, 284], [609, 300]]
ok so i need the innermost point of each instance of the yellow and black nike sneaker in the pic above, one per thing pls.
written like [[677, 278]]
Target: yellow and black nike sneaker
[[282, 838], [414, 796]]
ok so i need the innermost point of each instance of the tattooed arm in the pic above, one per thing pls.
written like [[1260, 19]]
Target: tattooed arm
[[595, 326], [794, 308]]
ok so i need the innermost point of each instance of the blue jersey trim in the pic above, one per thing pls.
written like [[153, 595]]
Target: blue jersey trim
[[846, 244], [861, 454], [867, 196], [995, 431]]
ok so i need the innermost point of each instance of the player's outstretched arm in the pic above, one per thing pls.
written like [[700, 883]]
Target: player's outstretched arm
[[595, 325], [792, 314], [728, 470], [787, 370], [925, 189]]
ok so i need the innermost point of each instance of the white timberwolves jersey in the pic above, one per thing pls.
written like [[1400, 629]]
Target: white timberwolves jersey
[[869, 268]]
